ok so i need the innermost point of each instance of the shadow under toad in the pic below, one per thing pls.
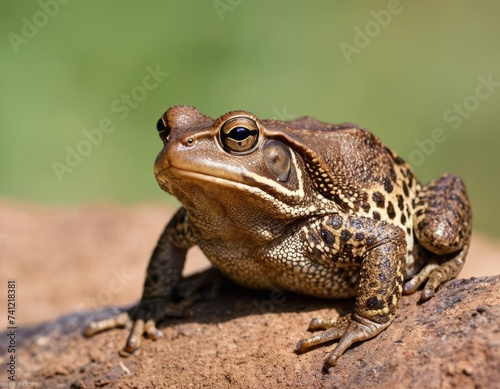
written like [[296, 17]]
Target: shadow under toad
[[229, 302]]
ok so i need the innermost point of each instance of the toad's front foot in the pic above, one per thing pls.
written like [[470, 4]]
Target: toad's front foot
[[349, 329], [142, 320]]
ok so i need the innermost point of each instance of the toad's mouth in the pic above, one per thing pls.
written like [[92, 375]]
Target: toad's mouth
[[247, 182], [172, 173]]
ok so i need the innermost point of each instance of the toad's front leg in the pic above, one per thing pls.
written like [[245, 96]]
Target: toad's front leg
[[380, 249], [166, 293]]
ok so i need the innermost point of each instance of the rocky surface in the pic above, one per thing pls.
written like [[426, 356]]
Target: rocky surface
[[242, 339], [71, 262]]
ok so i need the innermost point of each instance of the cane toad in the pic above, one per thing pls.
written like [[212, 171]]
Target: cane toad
[[321, 209]]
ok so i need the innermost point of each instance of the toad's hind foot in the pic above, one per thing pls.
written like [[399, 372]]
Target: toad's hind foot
[[435, 273], [349, 329]]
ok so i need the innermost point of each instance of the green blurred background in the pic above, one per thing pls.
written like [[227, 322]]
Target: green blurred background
[[65, 67]]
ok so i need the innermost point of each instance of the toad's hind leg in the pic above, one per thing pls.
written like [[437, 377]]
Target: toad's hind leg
[[442, 223]]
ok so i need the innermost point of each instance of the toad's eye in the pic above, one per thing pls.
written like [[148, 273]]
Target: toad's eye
[[163, 130], [160, 125], [239, 135]]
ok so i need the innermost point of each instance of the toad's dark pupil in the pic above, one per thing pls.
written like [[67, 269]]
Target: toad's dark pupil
[[239, 133]]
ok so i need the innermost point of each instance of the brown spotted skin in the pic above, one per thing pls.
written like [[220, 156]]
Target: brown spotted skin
[[321, 209]]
